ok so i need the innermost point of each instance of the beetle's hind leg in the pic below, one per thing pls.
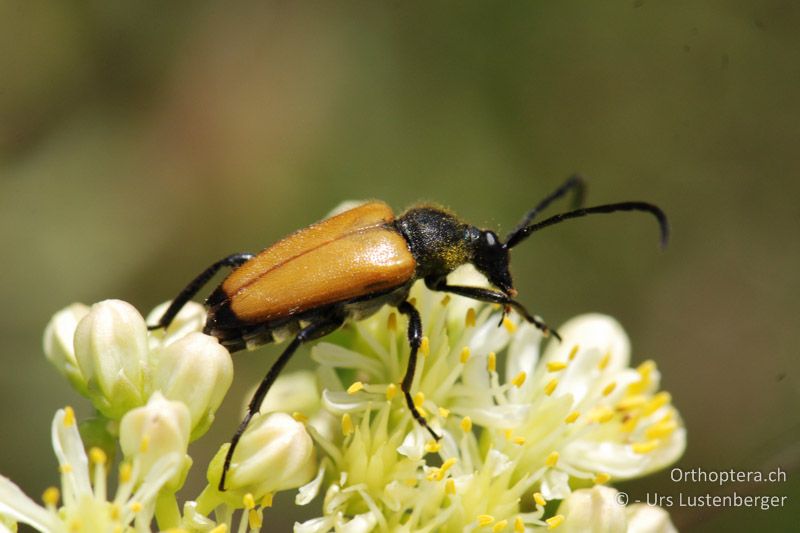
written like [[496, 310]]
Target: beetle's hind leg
[[414, 340], [310, 332], [188, 292]]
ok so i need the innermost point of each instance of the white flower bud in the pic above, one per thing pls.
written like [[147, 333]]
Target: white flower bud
[[191, 317], [275, 453], [59, 344], [148, 433], [197, 371], [594, 509], [111, 350], [296, 391], [644, 518]]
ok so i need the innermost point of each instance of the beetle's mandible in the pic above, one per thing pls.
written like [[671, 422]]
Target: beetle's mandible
[[350, 265]]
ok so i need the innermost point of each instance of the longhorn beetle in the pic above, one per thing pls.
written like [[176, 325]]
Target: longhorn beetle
[[348, 266]]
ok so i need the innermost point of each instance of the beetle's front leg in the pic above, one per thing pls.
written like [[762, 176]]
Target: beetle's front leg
[[414, 340], [495, 297]]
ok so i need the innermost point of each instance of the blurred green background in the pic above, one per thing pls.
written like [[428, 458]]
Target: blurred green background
[[141, 141]]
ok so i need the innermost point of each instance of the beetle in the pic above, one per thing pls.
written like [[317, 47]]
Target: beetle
[[348, 266]]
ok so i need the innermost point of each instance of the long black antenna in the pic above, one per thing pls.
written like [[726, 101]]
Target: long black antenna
[[521, 234], [575, 182]]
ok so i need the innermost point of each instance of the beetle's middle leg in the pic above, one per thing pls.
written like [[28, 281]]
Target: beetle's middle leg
[[188, 292], [310, 332], [414, 340]]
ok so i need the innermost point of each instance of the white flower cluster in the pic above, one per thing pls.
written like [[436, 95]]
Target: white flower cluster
[[108, 355], [575, 415], [521, 427]]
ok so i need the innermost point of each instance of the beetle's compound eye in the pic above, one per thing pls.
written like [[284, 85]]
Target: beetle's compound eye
[[490, 257]]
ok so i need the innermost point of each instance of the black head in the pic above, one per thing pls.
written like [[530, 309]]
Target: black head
[[490, 257]]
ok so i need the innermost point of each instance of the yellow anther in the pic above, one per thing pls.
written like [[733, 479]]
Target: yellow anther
[[572, 417], [144, 444], [630, 424], [551, 386], [445, 300], [469, 321], [391, 391], [657, 402], [432, 446], [539, 499], [631, 402], [347, 424], [97, 456], [645, 447], [661, 430], [444, 412], [422, 412], [552, 459], [425, 346], [645, 371], [465, 354], [601, 414], [50, 496], [508, 433], [519, 441], [300, 417], [69, 417], [450, 487], [608, 389], [412, 481], [646, 368], [555, 521], [65, 468], [500, 526], [355, 387], [125, 472], [266, 501], [555, 366], [75, 525], [254, 519], [466, 424], [249, 501], [509, 325], [519, 525], [602, 477], [447, 465], [114, 512], [604, 361], [485, 519], [136, 507], [491, 362], [391, 322], [573, 352], [222, 528], [519, 379], [419, 399]]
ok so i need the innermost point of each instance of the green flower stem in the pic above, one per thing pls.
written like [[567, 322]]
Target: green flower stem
[[168, 515], [208, 500]]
